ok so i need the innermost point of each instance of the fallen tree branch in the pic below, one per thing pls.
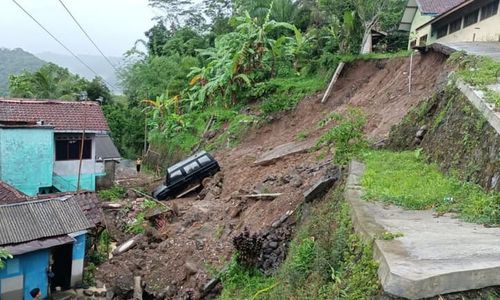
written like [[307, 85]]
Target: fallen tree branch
[[151, 198], [263, 196]]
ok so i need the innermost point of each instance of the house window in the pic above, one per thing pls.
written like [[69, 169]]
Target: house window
[[413, 43], [489, 10], [423, 41], [456, 25], [471, 18], [70, 149], [442, 31]]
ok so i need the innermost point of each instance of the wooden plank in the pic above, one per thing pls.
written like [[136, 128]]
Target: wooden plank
[[188, 191], [263, 196], [335, 77]]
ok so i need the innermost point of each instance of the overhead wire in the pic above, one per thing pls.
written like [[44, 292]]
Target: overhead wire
[[61, 43], [88, 36]]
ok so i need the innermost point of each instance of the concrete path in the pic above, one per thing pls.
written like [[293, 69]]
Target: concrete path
[[491, 49], [435, 255], [284, 150]]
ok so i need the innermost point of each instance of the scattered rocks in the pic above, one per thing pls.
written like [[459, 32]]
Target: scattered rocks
[[212, 187], [323, 186], [265, 251]]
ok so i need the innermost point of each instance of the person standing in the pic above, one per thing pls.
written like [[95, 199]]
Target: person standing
[[138, 164]]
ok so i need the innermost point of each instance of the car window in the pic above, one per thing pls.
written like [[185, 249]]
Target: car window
[[204, 160], [174, 176], [191, 167]]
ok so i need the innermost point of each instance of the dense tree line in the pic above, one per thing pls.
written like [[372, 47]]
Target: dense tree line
[[218, 55]]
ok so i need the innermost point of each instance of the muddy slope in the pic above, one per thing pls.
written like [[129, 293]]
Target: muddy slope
[[200, 237], [457, 137]]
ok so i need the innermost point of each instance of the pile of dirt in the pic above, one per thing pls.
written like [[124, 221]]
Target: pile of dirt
[[201, 236]]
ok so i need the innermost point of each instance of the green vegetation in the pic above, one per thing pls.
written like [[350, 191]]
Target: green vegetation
[[113, 194], [241, 283], [389, 236], [326, 260], [478, 71], [4, 255], [211, 59], [346, 135], [405, 179], [14, 62], [137, 226], [281, 94], [54, 82]]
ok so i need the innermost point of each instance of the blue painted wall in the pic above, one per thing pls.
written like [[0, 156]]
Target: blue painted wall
[[34, 268], [26, 158], [69, 183], [79, 247]]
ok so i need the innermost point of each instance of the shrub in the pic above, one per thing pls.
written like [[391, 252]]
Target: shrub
[[346, 135]]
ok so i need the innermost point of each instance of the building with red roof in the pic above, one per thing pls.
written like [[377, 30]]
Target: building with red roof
[[50, 145]]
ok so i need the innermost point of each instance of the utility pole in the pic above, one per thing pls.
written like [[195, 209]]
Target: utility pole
[[83, 97]]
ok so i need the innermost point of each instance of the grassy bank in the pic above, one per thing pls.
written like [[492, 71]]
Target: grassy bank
[[478, 71], [405, 179], [326, 260]]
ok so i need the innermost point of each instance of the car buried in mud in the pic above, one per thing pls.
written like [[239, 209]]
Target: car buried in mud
[[186, 176]]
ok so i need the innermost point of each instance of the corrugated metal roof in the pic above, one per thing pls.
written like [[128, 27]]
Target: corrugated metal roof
[[105, 148], [88, 201], [28, 221]]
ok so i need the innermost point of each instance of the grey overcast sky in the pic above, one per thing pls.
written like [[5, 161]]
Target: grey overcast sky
[[113, 24]]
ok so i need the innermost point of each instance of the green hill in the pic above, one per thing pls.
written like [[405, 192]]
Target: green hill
[[13, 62]]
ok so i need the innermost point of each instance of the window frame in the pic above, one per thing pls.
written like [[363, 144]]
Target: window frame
[[466, 24], [439, 29], [87, 149], [492, 11], [453, 29]]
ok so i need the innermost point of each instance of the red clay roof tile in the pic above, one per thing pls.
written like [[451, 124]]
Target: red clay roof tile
[[9, 195], [437, 6], [63, 115]]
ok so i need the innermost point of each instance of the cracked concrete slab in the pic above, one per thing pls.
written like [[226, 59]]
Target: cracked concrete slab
[[281, 151], [434, 256]]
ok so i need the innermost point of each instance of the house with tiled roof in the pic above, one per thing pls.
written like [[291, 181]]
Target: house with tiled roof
[[49, 146], [451, 21], [418, 13], [46, 238]]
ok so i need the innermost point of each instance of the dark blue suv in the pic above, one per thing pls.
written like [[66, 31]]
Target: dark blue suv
[[184, 174]]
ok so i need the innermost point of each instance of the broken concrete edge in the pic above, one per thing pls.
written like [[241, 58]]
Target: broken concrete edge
[[270, 157], [480, 104], [369, 230]]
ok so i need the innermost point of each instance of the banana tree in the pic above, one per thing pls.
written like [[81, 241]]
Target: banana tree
[[4, 255]]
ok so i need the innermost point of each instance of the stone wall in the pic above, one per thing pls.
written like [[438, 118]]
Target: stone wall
[[453, 134]]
